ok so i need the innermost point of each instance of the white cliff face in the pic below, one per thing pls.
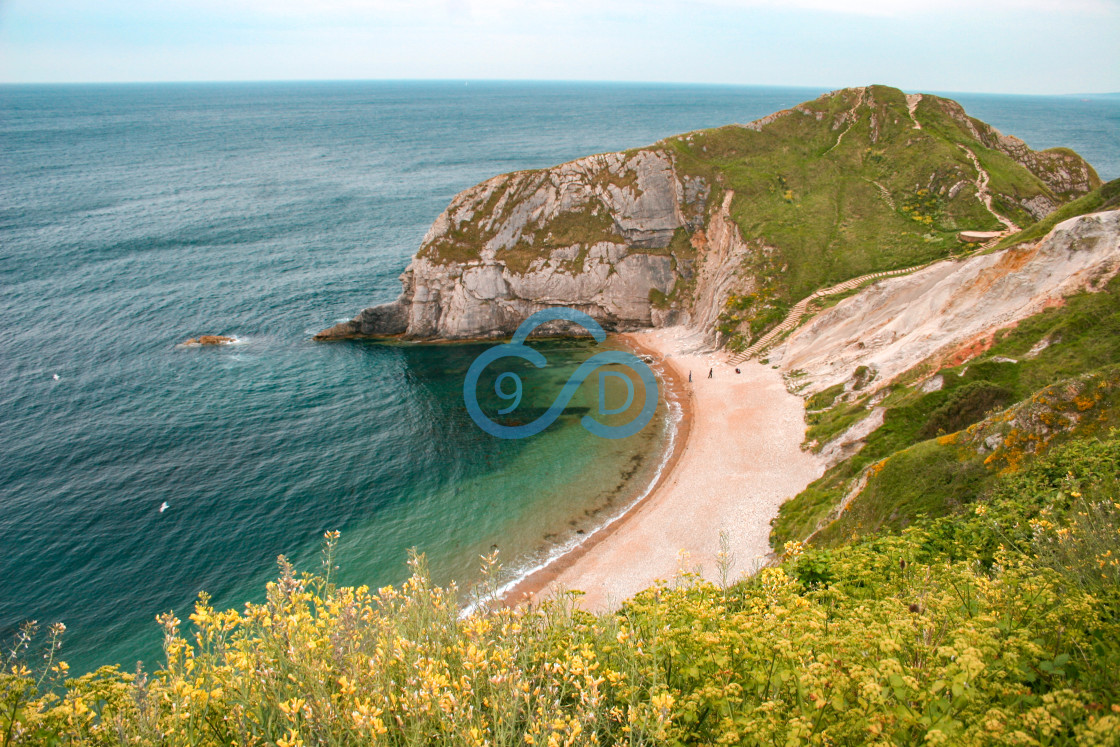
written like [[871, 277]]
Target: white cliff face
[[935, 313], [720, 271], [506, 248], [483, 298]]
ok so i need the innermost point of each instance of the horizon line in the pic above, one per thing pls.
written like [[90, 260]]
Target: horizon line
[[576, 81]]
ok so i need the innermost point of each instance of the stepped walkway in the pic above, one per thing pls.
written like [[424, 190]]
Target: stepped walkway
[[794, 317]]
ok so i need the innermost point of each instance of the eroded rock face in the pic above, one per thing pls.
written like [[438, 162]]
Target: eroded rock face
[[951, 306], [593, 234], [720, 270], [1063, 171]]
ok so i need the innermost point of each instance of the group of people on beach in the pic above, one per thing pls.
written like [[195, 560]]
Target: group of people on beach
[[710, 372]]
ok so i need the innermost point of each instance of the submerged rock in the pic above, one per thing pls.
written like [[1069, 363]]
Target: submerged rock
[[210, 340]]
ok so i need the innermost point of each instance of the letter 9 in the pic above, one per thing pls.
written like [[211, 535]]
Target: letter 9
[[515, 395]]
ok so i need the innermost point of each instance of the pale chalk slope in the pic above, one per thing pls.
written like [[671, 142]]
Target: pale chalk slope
[[898, 323]]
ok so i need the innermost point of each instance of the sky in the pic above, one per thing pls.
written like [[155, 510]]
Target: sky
[[989, 46]]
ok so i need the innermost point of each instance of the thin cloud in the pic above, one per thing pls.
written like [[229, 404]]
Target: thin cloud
[[527, 12], [642, 7], [439, 10]]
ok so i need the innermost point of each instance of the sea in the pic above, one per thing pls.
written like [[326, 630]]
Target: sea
[[136, 472]]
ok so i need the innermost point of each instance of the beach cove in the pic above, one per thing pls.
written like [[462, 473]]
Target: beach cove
[[144, 216], [736, 456]]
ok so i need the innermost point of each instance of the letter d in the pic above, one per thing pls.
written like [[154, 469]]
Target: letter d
[[603, 392]]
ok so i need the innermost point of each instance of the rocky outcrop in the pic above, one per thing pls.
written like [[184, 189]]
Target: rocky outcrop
[[950, 306], [486, 299], [593, 234], [209, 340], [1063, 171]]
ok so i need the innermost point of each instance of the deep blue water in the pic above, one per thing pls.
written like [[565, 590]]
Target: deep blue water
[[133, 217], [1088, 124]]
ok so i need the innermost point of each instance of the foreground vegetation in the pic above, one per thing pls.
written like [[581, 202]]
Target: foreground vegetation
[[999, 624]]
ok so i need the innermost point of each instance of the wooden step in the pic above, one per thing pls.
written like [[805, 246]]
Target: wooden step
[[798, 309]]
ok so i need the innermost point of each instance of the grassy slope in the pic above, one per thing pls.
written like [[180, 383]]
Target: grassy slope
[[941, 476], [816, 205], [1081, 337]]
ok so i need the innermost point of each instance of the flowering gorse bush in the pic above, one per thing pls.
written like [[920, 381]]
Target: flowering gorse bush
[[999, 625], [317, 664]]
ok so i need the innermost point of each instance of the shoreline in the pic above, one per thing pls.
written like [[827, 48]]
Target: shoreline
[[736, 459], [533, 584]]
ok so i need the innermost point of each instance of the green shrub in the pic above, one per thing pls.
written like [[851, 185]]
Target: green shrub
[[966, 405]]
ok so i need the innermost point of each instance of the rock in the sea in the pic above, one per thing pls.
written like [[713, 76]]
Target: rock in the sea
[[210, 340]]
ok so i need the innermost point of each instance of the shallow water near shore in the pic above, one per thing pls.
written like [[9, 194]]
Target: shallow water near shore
[[135, 217]]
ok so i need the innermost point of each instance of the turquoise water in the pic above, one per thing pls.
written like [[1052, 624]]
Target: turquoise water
[[133, 217]]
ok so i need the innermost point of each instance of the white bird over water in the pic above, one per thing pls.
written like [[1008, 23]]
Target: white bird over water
[[164, 507], [57, 377]]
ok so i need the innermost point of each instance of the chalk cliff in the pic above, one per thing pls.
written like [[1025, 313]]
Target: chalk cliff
[[593, 234]]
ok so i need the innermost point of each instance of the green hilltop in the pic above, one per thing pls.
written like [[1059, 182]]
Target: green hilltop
[[857, 181], [847, 185]]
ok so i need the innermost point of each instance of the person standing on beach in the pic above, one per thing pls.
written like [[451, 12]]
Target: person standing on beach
[[690, 377], [710, 372]]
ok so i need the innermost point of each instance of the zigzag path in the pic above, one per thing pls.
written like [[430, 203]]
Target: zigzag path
[[793, 318]]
